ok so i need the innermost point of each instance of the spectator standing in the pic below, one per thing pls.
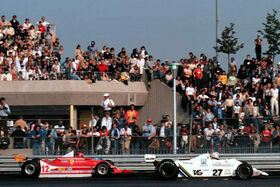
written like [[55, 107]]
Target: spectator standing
[[162, 134], [19, 138], [265, 137], [70, 140], [258, 47], [107, 104], [131, 116], [4, 113], [136, 140], [60, 131], [92, 50], [21, 123], [94, 122], [229, 104], [115, 136], [209, 131], [216, 140], [51, 135], [274, 102], [37, 135], [107, 121], [148, 132], [83, 141], [198, 74], [104, 142], [276, 136], [125, 134]]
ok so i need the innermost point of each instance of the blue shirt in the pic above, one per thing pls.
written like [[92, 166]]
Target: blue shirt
[[37, 140], [5, 111], [150, 128]]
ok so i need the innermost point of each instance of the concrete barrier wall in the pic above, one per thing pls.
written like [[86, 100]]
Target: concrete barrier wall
[[71, 92], [160, 102]]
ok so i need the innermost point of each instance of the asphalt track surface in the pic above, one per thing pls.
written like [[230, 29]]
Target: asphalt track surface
[[138, 180]]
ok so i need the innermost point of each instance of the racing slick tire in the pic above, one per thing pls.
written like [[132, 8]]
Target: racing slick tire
[[244, 171], [31, 169], [103, 169], [110, 162], [167, 170]]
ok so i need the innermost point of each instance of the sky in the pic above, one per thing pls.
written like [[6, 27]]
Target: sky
[[169, 29]]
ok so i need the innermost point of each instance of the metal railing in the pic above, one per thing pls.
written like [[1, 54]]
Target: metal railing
[[140, 145], [189, 140], [82, 75]]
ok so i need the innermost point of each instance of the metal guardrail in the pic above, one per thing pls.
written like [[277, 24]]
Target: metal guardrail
[[267, 162]]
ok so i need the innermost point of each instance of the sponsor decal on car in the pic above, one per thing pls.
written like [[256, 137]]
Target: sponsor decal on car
[[203, 162], [219, 164], [72, 162]]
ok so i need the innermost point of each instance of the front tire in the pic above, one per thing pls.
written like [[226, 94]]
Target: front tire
[[168, 170], [31, 169], [244, 171], [103, 169]]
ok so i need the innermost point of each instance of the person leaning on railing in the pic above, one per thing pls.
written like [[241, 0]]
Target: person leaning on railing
[[37, 136], [4, 113], [51, 135], [125, 134]]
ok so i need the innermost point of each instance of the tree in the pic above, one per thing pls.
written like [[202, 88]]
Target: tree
[[228, 44], [271, 33]]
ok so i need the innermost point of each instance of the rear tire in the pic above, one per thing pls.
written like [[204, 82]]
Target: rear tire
[[31, 169], [103, 169], [244, 171], [168, 170]]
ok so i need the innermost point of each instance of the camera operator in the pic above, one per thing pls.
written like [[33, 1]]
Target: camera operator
[[4, 113]]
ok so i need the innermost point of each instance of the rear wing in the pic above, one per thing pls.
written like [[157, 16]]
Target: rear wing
[[149, 158]]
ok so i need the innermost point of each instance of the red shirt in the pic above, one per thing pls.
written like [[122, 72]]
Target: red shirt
[[198, 73], [42, 29], [102, 67], [266, 135], [106, 133]]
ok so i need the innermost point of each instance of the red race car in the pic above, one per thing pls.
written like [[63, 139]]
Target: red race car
[[67, 166]]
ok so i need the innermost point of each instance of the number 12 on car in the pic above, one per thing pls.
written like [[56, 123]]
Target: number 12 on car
[[45, 168]]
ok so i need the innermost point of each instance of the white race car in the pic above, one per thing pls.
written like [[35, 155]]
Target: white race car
[[203, 166]]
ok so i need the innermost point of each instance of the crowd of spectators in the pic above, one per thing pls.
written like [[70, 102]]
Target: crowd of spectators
[[234, 109], [29, 51], [33, 52], [238, 109]]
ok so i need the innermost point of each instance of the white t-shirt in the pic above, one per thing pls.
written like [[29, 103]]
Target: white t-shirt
[[162, 131], [141, 64], [126, 132], [45, 23], [236, 109], [274, 93], [95, 134], [59, 128], [208, 133], [107, 122], [106, 103], [190, 90], [203, 97], [92, 123]]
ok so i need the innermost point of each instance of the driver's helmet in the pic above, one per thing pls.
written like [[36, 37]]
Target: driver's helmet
[[215, 155], [80, 154]]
